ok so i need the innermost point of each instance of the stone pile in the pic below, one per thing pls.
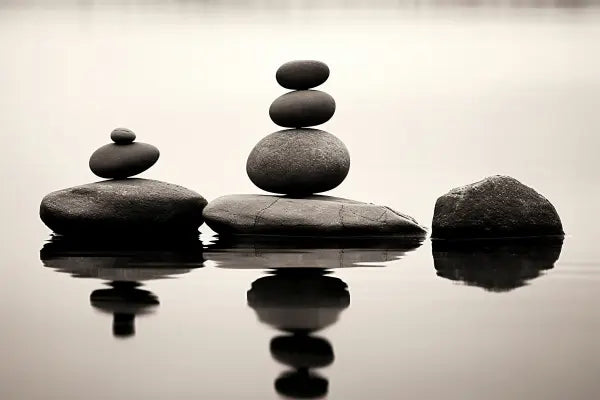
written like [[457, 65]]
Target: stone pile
[[298, 163], [122, 206]]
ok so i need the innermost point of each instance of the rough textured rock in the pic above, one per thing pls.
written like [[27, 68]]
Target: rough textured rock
[[298, 162], [302, 74], [498, 206], [124, 207], [302, 109], [311, 216], [123, 160], [494, 264], [122, 136]]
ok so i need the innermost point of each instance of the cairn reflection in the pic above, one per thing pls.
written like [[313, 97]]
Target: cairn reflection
[[300, 302], [263, 252], [125, 266], [495, 265]]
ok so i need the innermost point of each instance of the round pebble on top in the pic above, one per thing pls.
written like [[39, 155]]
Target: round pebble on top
[[120, 161], [302, 108], [122, 136], [302, 74]]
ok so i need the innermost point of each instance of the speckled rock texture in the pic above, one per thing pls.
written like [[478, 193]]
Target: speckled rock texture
[[298, 162], [310, 216], [123, 207], [498, 206], [302, 108]]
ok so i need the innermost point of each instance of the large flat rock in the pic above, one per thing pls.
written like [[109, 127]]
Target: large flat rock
[[123, 207], [309, 216]]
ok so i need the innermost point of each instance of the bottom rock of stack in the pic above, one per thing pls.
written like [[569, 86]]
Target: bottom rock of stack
[[308, 216], [123, 207]]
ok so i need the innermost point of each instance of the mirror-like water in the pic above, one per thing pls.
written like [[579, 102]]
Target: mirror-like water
[[429, 96]]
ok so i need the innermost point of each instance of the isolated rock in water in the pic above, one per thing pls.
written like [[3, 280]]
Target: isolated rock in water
[[302, 74], [302, 108], [123, 160], [311, 216], [498, 206], [494, 264], [298, 162], [122, 136], [124, 207]]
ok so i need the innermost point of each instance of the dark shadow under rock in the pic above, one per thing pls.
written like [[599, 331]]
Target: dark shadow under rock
[[263, 252], [495, 265]]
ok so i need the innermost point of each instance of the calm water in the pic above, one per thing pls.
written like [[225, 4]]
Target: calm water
[[429, 97]]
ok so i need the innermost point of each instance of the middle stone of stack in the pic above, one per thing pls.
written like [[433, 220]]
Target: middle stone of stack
[[300, 161]]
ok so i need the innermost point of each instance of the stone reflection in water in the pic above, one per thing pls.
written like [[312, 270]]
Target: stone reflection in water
[[124, 300], [304, 252], [495, 265], [300, 302], [124, 266]]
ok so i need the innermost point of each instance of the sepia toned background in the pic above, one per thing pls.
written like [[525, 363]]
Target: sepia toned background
[[430, 95]]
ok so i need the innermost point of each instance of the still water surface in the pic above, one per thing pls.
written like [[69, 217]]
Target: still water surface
[[429, 97]]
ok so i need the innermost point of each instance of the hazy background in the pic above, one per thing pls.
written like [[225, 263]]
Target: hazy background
[[430, 95]]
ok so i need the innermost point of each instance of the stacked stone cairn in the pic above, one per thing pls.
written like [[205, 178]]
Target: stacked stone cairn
[[298, 163], [122, 205]]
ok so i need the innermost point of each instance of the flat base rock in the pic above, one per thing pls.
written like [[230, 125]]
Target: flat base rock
[[123, 207], [308, 216], [498, 206]]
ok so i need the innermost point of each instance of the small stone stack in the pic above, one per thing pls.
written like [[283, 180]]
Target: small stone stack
[[121, 206], [123, 158], [300, 161]]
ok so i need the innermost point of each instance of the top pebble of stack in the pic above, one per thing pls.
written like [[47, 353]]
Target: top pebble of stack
[[302, 74]]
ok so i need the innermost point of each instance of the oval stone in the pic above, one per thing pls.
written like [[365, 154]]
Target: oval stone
[[302, 74], [298, 162], [122, 136], [128, 208], [123, 160], [302, 108]]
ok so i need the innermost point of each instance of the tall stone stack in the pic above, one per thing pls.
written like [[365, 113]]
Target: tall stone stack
[[298, 163]]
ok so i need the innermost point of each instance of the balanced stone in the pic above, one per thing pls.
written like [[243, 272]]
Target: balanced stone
[[298, 162], [302, 74], [302, 108], [123, 160], [309, 216], [123, 207], [498, 206], [122, 136]]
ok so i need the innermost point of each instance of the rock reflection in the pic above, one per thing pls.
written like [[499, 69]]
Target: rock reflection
[[265, 252], [300, 302], [495, 265], [125, 266], [124, 300]]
